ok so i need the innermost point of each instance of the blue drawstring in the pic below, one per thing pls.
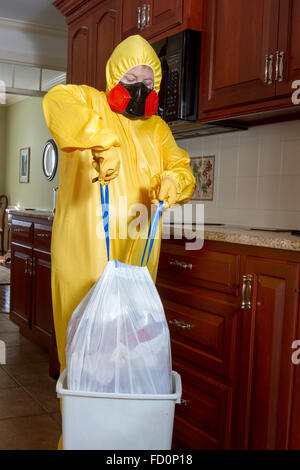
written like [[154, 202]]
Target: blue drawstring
[[105, 207], [153, 223]]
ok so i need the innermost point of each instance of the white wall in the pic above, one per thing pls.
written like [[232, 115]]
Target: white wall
[[257, 175]]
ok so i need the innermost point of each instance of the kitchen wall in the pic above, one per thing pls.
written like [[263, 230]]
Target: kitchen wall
[[257, 175], [25, 127], [3, 113]]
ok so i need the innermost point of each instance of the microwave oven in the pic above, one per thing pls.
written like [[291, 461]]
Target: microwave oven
[[180, 61]]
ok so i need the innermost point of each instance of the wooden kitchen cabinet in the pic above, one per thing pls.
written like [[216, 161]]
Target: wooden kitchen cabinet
[[95, 27], [288, 46], [132, 17], [234, 358], [268, 329], [80, 51], [155, 19], [250, 56], [240, 34], [21, 284], [30, 293], [91, 39], [106, 37]]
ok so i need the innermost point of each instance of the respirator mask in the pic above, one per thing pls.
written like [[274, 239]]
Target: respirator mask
[[133, 100]]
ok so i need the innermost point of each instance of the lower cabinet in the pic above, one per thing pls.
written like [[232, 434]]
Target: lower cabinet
[[231, 339], [30, 297]]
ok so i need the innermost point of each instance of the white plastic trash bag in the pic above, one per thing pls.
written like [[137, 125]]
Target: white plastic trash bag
[[118, 338]]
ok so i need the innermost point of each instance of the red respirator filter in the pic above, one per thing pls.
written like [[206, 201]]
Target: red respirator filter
[[151, 104], [118, 98]]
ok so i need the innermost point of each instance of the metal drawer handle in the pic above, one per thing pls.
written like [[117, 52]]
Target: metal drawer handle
[[29, 267], [18, 230], [148, 15], [139, 17], [281, 64], [42, 235], [181, 264], [180, 324], [270, 81], [266, 68], [246, 292], [143, 16]]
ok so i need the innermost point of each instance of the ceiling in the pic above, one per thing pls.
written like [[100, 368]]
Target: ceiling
[[34, 11]]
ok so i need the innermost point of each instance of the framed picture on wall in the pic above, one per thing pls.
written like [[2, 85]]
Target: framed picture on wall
[[24, 166], [203, 169]]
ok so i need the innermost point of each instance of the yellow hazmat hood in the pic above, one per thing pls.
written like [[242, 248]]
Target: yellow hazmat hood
[[133, 51]]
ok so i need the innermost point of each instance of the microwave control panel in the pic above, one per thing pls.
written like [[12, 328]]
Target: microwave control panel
[[172, 95]]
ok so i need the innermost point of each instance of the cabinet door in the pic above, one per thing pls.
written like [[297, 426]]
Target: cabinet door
[[164, 14], [239, 36], [20, 296], [131, 16], [42, 313], [264, 395], [288, 47], [107, 36], [80, 47]]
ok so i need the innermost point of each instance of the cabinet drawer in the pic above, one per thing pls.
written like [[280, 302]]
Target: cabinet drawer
[[42, 236], [210, 269], [21, 231], [202, 420], [204, 336]]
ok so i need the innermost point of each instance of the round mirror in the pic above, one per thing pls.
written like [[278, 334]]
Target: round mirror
[[50, 159]]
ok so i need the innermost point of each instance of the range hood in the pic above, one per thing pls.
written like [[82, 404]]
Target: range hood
[[188, 130]]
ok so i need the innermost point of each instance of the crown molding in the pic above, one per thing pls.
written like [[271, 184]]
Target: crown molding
[[27, 26]]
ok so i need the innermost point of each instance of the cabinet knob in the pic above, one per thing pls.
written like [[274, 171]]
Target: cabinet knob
[[184, 402], [181, 264]]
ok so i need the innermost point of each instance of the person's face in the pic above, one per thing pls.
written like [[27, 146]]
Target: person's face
[[139, 73]]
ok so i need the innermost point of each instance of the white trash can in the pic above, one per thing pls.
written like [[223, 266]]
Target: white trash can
[[117, 421]]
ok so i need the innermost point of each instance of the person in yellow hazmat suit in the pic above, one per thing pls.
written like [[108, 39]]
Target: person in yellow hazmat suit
[[114, 138]]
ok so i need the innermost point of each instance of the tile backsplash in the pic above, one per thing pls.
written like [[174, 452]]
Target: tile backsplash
[[257, 175]]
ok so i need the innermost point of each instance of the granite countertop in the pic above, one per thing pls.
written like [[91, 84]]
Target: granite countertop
[[40, 213], [239, 234]]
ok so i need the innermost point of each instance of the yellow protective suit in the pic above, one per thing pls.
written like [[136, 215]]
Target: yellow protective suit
[[80, 119]]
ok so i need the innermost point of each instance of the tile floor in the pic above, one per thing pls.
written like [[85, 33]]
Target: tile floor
[[29, 409]]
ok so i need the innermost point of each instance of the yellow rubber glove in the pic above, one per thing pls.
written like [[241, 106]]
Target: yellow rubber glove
[[107, 164], [166, 191]]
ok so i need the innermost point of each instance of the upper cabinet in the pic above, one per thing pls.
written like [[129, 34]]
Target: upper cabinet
[[151, 17], [250, 50], [93, 34], [95, 27], [288, 51], [250, 55], [80, 37], [107, 35]]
